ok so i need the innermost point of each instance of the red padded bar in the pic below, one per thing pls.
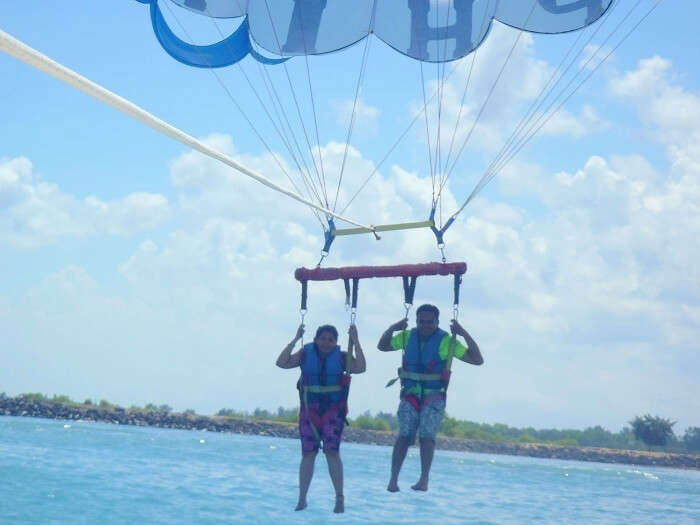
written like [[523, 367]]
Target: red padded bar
[[363, 272]]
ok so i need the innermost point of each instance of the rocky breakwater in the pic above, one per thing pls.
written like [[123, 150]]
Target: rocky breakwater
[[601, 455], [30, 407], [25, 406]]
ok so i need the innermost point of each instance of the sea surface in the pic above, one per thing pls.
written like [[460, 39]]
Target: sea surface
[[82, 472]]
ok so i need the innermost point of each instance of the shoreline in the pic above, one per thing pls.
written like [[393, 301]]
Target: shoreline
[[23, 407]]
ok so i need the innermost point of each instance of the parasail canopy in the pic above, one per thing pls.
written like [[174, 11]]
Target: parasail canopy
[[427, 30]]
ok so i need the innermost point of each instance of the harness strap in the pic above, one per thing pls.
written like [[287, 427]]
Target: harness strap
[[458, 282], [355, 286], [304, 285], [409, 288], [414, 376], [321, 389], [348, 356]]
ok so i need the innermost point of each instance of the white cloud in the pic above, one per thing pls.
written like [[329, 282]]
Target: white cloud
[[579, 302], [35, 212], [593, 55], [366, 115], [671, 110]]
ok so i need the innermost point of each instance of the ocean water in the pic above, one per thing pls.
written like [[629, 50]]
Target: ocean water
[[82, 472]]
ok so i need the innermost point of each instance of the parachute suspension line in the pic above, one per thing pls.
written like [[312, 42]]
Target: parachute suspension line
[[427, 129], [461, 106], [40, 61], [266, 79], [425, 109], [296, 102], [394, 145], [243, 113], [313, 104], [351, 125], [537, 103], [392, 148], [284, 119], [484, 21], [581, 83], [280, 128], [488, 97], [238, 106], [310, 189], [537, 123], [439, 233], [547, 114], [441, 67]]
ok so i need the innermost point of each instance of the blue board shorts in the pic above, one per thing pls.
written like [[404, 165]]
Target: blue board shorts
[[426, 421]]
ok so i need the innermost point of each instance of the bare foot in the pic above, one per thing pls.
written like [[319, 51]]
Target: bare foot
[[339, 505], [301, 505], [421, 485], [393, 487]]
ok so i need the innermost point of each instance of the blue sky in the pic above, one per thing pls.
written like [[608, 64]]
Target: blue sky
[[138, 271]]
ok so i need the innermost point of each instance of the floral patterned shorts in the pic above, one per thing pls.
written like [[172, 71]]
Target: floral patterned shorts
[[327, 428], [425, 421]]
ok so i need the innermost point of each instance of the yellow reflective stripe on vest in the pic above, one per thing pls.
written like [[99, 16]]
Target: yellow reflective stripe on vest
[[321, 389], [417, 376]]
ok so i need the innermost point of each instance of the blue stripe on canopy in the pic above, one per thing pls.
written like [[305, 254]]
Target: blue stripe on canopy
[[220, 54]]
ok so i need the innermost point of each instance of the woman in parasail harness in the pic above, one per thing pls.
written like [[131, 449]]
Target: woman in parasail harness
[[323, 392]]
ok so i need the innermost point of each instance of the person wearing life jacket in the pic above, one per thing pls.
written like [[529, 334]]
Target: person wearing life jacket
[[323, 387], [425, 375]]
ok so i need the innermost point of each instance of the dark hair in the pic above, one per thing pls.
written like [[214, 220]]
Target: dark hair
[[428, 308], [327, 328]]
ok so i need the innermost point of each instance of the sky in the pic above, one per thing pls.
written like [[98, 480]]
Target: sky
[[138, 271]]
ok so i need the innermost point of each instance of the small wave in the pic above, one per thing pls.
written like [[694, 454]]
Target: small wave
[[647, 475]]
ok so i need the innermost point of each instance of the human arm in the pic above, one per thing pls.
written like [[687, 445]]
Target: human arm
[[473, 354], [385, 340], [358, 364], [287, 359]]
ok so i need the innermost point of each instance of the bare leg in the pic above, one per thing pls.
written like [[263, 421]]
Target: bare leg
[[427, 449], [306, 472], [397, 457], [335, 469]]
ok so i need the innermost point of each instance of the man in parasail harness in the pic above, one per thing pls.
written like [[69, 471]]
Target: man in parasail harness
[[424, 375]]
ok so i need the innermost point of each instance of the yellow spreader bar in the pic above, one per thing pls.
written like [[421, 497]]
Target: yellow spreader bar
[[384, 228]]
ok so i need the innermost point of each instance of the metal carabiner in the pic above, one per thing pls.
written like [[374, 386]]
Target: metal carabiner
[[441, 246]]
